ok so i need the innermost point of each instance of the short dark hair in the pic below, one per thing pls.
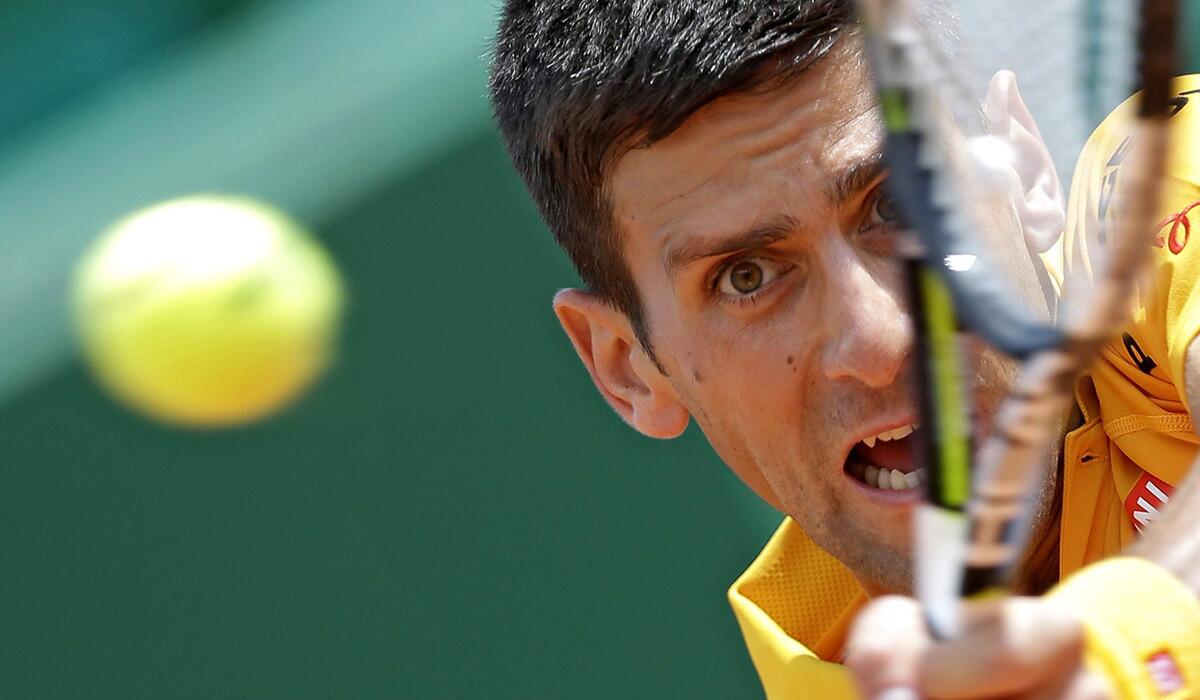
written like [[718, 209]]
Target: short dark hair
[[574, 82]]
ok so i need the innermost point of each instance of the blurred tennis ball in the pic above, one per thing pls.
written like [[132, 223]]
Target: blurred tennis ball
[[207, 311]]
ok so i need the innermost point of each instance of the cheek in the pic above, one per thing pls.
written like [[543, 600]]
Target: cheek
[[994, 374], [739, 394], [760, 376], [888, 273], [724, 355], [755, 390], [740, 390], [762, 416]]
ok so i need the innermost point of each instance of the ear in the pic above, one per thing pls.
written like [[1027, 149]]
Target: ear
[[621, 369], [1039, 199]]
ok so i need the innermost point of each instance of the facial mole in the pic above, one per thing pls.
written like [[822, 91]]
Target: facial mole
[[791, 359]]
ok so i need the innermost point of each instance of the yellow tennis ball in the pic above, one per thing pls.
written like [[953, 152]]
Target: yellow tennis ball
[[207, 311]]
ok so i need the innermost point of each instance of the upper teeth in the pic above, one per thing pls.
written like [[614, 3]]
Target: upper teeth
[[894, 434]]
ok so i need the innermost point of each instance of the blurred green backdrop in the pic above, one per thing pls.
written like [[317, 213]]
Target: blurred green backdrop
[[452, 513]]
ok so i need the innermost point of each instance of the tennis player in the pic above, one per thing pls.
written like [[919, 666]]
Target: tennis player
[[713, 169]]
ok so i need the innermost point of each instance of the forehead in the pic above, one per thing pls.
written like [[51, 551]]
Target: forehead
[[744, 153]]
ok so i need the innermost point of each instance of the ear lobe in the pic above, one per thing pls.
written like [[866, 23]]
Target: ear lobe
[[620, 368], [1039, 201]]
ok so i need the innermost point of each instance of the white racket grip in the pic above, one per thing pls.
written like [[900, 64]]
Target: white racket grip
[[941, 549]]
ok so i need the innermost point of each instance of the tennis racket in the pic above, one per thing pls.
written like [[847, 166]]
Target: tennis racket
[[974, 524]]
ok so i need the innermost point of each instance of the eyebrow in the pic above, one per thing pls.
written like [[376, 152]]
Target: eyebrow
[[856, 178], [842, 187], [690, 251]]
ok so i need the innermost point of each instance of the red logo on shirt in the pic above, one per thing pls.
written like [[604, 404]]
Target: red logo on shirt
[[1164, 672], [1144, 501], [1181, 230]]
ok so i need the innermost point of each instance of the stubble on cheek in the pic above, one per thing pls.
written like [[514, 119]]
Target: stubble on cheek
[[754, 410], [993, 376], [799, 448], [819, 497], [782, 430], [798, 453]]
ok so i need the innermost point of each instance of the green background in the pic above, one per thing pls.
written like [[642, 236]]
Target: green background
[[452, 513]]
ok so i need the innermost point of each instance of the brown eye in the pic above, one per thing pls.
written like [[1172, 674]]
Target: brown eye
[[749, 278], [746, 277]]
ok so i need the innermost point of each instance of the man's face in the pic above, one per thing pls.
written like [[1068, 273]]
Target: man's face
[[764, 256]]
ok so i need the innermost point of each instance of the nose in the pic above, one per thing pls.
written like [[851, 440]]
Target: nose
[[867, 327]]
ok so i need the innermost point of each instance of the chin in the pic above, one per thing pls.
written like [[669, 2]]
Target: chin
[[895, 580], [883, 573], [878, 553]]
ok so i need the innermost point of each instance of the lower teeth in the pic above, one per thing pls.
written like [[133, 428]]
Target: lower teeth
[[887, 479]]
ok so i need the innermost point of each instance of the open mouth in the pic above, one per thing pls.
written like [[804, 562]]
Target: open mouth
[[886, 461]]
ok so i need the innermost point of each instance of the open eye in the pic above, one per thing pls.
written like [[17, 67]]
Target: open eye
[[879, 232], [746, 277], [883, 211]]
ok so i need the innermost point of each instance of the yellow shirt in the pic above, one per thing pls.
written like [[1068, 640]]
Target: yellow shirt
[[795, 602]]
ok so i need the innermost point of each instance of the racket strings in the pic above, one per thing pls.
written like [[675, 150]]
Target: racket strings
[[927, 97]]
